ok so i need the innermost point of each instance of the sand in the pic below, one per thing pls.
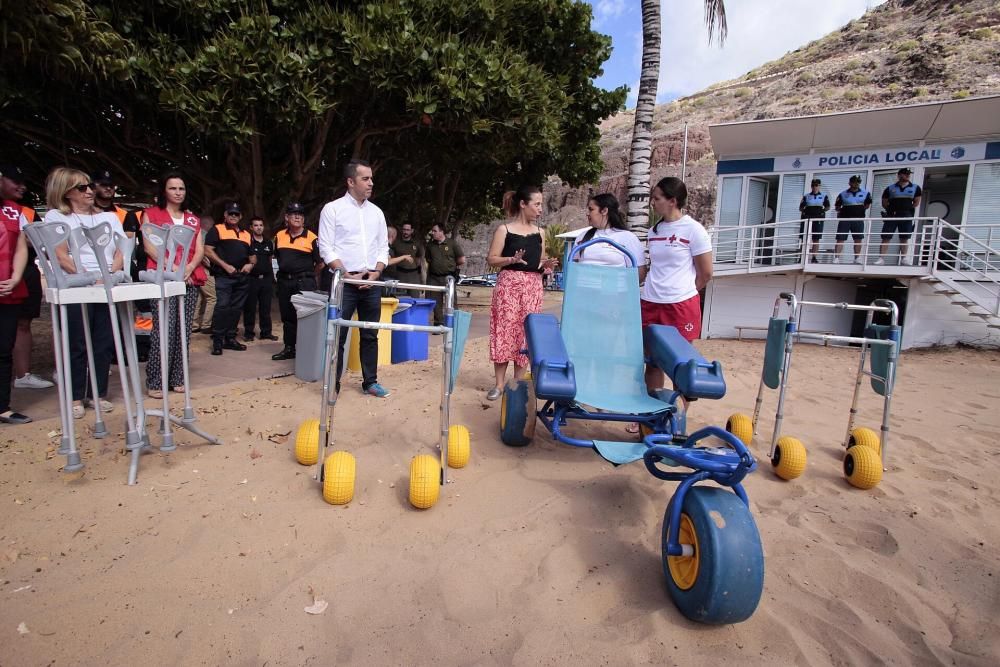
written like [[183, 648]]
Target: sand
[[541, 555]]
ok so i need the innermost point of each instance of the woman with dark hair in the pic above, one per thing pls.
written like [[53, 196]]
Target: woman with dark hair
[[680, 265], [172, 209], [606, 222], [70, 196], [518, 250]]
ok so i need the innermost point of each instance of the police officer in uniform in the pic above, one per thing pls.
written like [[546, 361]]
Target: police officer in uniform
[[853, 202], [444, 257], [261, 284], [814, 206], [228, 248], [297, 251], [900, 200]]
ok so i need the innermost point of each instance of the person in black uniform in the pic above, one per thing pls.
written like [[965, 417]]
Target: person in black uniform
[[900, 200], [814, 206], [851, 204], [298, 257], [260, 286], [228, 248]]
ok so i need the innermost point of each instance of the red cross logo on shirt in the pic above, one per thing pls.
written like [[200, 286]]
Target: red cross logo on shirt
[[672, 238]]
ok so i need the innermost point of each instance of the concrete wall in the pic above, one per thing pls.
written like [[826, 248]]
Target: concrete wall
[[748, 300]]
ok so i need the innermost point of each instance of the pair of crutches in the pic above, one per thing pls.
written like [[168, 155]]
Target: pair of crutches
[[118, 292]]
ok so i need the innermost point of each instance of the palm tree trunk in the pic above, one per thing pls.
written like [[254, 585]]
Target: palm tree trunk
[[642, 131]]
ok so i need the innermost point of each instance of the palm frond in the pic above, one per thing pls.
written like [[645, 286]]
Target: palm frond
[[715, 19]]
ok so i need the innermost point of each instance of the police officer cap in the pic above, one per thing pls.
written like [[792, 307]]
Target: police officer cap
[[295, 207], [104, 177], [233, 207], [816, 181], [13, 172], [904, 170], [854, 179]]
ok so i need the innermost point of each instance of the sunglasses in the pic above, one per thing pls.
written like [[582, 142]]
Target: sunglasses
[[83, 187], [235, 215]]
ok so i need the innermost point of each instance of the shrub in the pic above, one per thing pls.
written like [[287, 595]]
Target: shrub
[[859, 79], [852, 95], [981, 33], [806, 77], [907, 45], [742, 92], [922, 91], [960, 95], [852, 65]]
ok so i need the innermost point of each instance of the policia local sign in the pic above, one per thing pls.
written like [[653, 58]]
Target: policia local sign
[[891, 158]]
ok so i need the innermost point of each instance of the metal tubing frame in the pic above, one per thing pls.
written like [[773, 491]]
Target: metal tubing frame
[[332, 353]]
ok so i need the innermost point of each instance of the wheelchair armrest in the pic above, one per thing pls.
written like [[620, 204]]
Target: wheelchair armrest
[[551, 370], [693, 376]]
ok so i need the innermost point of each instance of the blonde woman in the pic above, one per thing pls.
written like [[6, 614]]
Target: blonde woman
[[69, 194], [518, 249]]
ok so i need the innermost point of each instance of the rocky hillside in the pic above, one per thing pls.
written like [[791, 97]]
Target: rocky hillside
[[903, 52]]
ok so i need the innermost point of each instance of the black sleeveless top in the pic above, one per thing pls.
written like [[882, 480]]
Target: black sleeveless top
[[532, 246]]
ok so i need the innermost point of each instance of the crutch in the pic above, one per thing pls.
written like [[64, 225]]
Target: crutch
[[45, 237]]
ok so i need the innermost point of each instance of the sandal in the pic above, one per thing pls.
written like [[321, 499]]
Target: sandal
[[178, 389], [78, 411], [632, 428], [154, 393]]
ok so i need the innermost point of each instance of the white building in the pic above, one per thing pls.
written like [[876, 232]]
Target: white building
[[945, 280]]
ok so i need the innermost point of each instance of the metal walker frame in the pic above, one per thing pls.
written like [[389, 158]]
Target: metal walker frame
[[792, 333], [335, 322]]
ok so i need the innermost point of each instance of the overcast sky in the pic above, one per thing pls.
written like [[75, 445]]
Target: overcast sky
[[759, 31]]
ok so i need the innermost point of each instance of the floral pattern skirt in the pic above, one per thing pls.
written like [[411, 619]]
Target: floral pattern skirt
[[517, 295]]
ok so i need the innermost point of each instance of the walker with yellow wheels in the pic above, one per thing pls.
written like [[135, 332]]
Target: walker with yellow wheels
[[865, 449], [336, 472]]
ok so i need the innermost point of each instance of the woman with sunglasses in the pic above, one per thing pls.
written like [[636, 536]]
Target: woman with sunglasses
[[172, 209], [69, 194]]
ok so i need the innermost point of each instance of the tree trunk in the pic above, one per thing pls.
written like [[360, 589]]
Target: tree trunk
[[642, 131]]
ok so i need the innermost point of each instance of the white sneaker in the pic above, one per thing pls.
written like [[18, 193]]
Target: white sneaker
[[836, 260], [906, 262], [879, 261], [32, 381]]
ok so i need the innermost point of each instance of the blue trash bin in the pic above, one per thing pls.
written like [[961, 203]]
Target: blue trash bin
[[411, 345]]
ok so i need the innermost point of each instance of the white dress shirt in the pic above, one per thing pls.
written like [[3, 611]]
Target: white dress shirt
[[353, 232]]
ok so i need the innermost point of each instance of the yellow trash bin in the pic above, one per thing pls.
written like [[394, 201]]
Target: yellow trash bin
[[384, 339]]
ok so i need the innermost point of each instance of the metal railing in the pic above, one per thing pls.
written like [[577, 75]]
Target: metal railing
[[965, 258]]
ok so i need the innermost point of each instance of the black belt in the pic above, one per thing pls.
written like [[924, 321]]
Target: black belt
[[399, 270], [442, 275], [284, 275]]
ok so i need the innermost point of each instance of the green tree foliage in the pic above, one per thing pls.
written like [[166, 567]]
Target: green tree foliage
[[266, 101]]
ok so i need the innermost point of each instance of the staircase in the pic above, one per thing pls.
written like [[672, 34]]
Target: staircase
[[967, 271]]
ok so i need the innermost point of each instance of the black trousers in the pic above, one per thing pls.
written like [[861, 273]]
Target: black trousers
[[230, 295], [260, 290], [8, 333], [289, 320], [102, 339], [368, 304]]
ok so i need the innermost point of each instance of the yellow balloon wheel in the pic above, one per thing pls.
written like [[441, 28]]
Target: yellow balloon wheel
[[307, 442], [684, 569], [789, 458], [425, 481], [338, 478], [866, 437], [458, 446], [741, 426], [862, 467], [503, 411]]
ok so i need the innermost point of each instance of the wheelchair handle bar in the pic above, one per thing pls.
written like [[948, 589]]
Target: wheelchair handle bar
[[619, 247]]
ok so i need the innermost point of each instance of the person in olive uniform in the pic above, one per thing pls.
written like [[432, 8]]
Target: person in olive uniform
[[261, 284], [228, 248], [852, 204], [297, 251], [900, 201], [409, 253], [814, 206], [444, 257]]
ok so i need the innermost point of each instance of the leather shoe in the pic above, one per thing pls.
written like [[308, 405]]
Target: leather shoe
[[287, 353], [216, 349], [248, 338], [233, 345], [269, 337]]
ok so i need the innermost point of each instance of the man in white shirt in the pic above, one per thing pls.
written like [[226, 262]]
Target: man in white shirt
[[353, 238]]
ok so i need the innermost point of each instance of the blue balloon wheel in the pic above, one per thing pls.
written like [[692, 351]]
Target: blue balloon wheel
[[723, 581], [517, 414]]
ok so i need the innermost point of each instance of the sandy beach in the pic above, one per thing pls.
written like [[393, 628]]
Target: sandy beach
[[541, 555]]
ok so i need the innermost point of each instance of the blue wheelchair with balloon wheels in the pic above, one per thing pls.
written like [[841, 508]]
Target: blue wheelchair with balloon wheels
[[589, 367]]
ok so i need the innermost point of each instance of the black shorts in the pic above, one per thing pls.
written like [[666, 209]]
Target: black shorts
[[891, 225], [855, 227], [31, 307]]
